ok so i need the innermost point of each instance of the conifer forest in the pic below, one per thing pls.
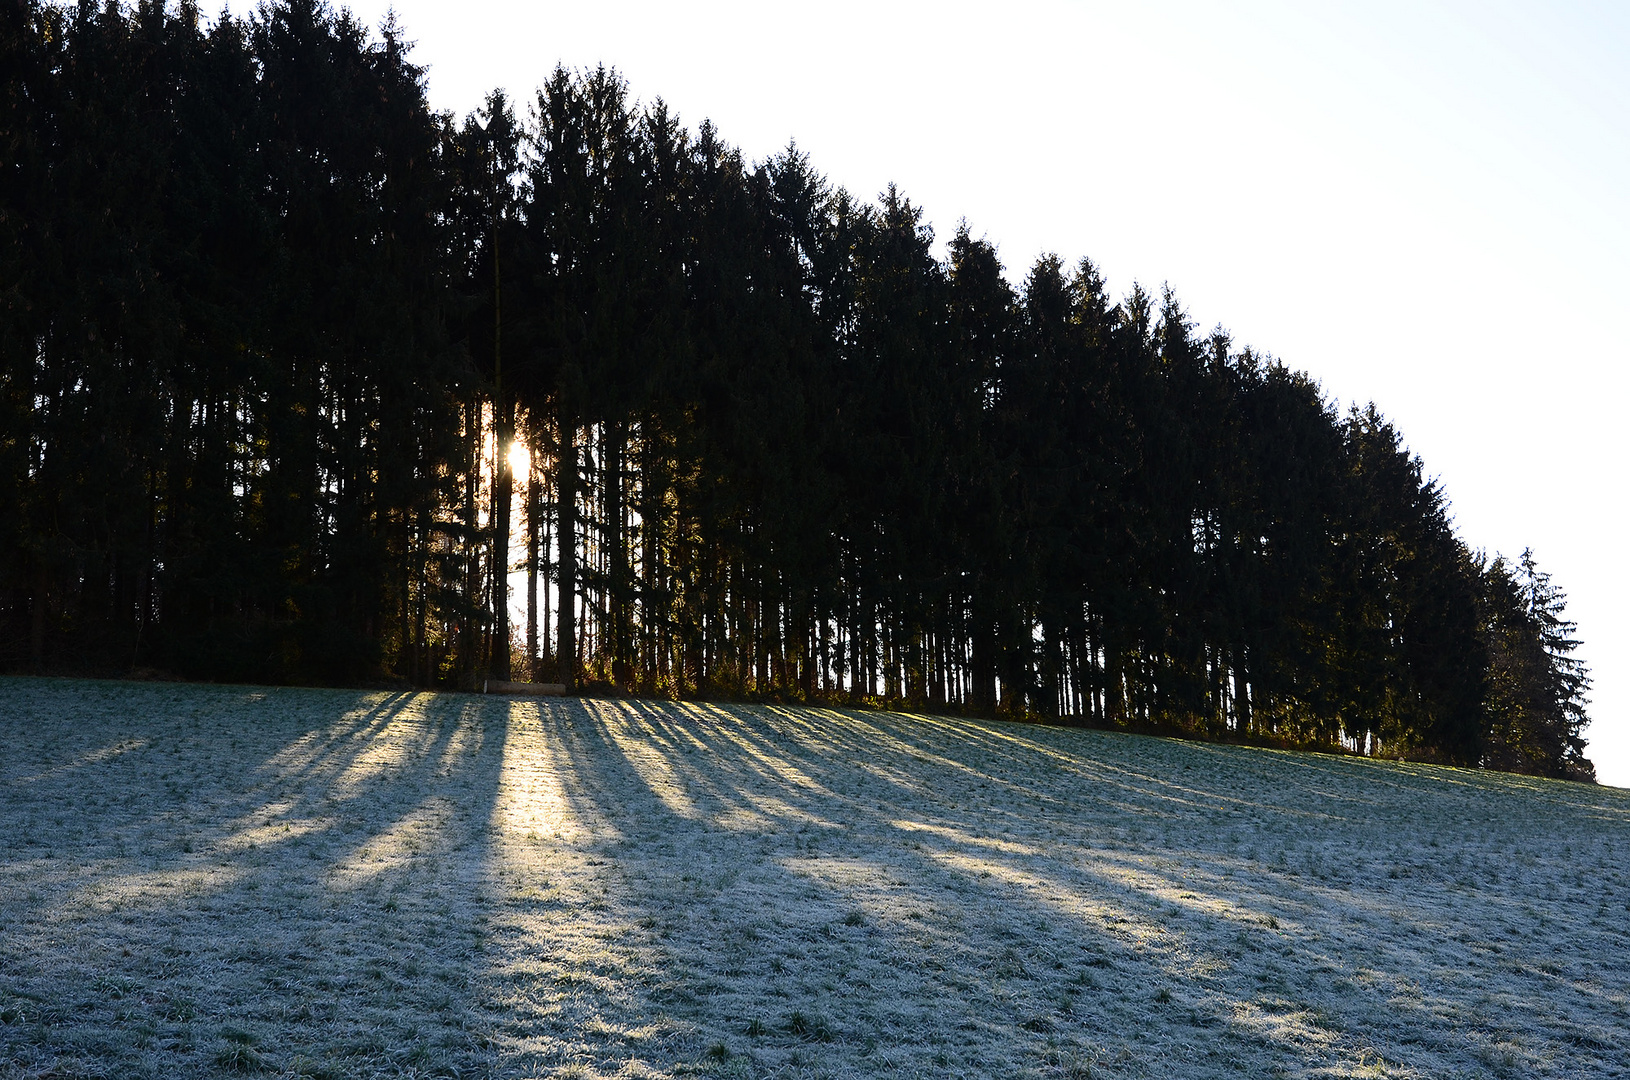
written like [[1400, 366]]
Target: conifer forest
[[270, 326]]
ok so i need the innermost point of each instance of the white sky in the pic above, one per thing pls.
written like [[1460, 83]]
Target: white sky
[[1422, 204]]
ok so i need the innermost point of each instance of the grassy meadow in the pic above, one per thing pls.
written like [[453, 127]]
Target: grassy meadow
[[211, 880]]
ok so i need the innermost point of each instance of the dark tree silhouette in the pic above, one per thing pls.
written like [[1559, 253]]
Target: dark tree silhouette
[[269, 326]]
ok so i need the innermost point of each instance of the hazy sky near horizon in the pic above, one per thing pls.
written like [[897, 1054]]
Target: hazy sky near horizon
[[1422, 204]]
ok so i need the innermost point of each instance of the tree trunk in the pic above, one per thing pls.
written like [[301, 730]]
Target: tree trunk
[[566, 515], [532, 504], [469, 636], [37, 613], [503, 491], [617, 555]]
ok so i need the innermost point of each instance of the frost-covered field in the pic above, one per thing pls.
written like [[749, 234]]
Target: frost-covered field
[[200, 880]]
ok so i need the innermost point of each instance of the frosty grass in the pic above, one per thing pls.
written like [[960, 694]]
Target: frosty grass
[[197, 881]]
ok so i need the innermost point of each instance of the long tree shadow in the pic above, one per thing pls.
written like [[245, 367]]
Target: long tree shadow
[[209, 878], [881, 894], [206, 879], [764, 898]]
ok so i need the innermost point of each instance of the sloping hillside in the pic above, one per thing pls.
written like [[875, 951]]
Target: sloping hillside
[[344, 884]]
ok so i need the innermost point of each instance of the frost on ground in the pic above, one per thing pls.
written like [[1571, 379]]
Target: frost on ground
[[198, 881]]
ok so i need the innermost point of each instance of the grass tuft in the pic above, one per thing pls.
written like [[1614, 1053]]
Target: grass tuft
[[810, 1027], [239, 1057], [307, 1069]]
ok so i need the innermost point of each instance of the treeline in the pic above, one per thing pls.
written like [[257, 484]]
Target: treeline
[[270, 326]]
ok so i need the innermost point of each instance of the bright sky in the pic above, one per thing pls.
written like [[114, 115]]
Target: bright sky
[[1419, 203]]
